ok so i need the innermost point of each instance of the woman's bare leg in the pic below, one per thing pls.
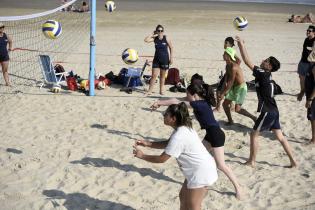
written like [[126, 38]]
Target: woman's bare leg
[[162, 81], [155, 73], [183, 196], [5, 67], [218, 154], [195, 198]]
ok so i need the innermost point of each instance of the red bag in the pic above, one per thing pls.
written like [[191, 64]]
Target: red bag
[[72, 83], [172, 77]]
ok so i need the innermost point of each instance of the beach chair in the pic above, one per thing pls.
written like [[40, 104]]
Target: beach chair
[[49, 73], [134, 73]]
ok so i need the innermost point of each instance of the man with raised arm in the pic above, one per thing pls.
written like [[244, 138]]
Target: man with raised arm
[[267, 106]]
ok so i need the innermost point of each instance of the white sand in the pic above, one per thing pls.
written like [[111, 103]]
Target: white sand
[[69, 151]]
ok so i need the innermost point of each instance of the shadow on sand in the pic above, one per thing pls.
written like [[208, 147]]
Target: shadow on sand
[[81, 201], [125, 134], [99, 162]]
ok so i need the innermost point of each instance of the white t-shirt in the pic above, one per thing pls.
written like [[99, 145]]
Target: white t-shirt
[[194, 160]]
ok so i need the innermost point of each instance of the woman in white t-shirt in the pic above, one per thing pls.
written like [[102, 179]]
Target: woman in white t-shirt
[[194, 160]]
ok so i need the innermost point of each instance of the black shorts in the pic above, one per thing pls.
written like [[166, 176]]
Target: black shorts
[[267, 121], [215, 136], [161, 62], [311, 111], [4, 57]]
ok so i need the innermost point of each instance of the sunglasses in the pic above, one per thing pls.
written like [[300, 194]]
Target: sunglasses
[[2, 27], [160, 30], [309, 30]]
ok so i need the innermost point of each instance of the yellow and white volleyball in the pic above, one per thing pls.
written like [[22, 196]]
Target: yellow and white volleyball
[[240, 23], [110, 6], [52, 29], [130, 56], [56, 89], [101, 85]]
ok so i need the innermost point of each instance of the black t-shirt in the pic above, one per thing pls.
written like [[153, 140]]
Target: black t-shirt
[[265, 90], [204, 114], [308, 43], [309, 82]]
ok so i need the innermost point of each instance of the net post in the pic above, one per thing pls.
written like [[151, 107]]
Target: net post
[[92, 48]]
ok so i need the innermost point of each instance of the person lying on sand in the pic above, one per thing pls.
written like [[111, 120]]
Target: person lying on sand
[[308, 18]]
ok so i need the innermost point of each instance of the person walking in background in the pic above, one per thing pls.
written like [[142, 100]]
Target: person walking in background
[[201, 97], [235, 88], [304, 64], [163, 57], [192, 157], [5, 41], [267, 106]]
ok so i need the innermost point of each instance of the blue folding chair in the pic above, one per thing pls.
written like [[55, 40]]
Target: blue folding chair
[[134, 73], [49, 73]]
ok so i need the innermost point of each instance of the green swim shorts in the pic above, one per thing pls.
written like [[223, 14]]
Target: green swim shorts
[[237, 93]]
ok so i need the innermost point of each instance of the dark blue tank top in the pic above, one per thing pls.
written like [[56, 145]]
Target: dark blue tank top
[[3, 44], [161, 46], [204, 114]]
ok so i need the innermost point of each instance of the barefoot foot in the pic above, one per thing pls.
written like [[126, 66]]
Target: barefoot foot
[[229, 123], [300, 96], [250, 163], [293, 165], [147, 94], [239, 194]]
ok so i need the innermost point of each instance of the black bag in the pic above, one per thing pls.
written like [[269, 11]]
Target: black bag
[[111, 76], [277, 89]]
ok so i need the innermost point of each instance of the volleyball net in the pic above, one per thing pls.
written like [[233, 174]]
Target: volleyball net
[[29, 42]]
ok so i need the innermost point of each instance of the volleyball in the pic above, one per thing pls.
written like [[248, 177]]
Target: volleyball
[[130, 56], [56, 89], [110, 6], [52, 29], [240, 23]]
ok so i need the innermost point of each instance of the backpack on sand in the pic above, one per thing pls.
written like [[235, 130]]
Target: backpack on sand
[[172, 77]]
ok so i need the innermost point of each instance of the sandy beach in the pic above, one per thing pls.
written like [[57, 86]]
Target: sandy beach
[[70, 151]]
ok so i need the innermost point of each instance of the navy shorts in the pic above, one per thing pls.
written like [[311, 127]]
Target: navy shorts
[[161, 62], [311, 111], [303, 68], [267, 121], [215, 136], [4, 57]]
